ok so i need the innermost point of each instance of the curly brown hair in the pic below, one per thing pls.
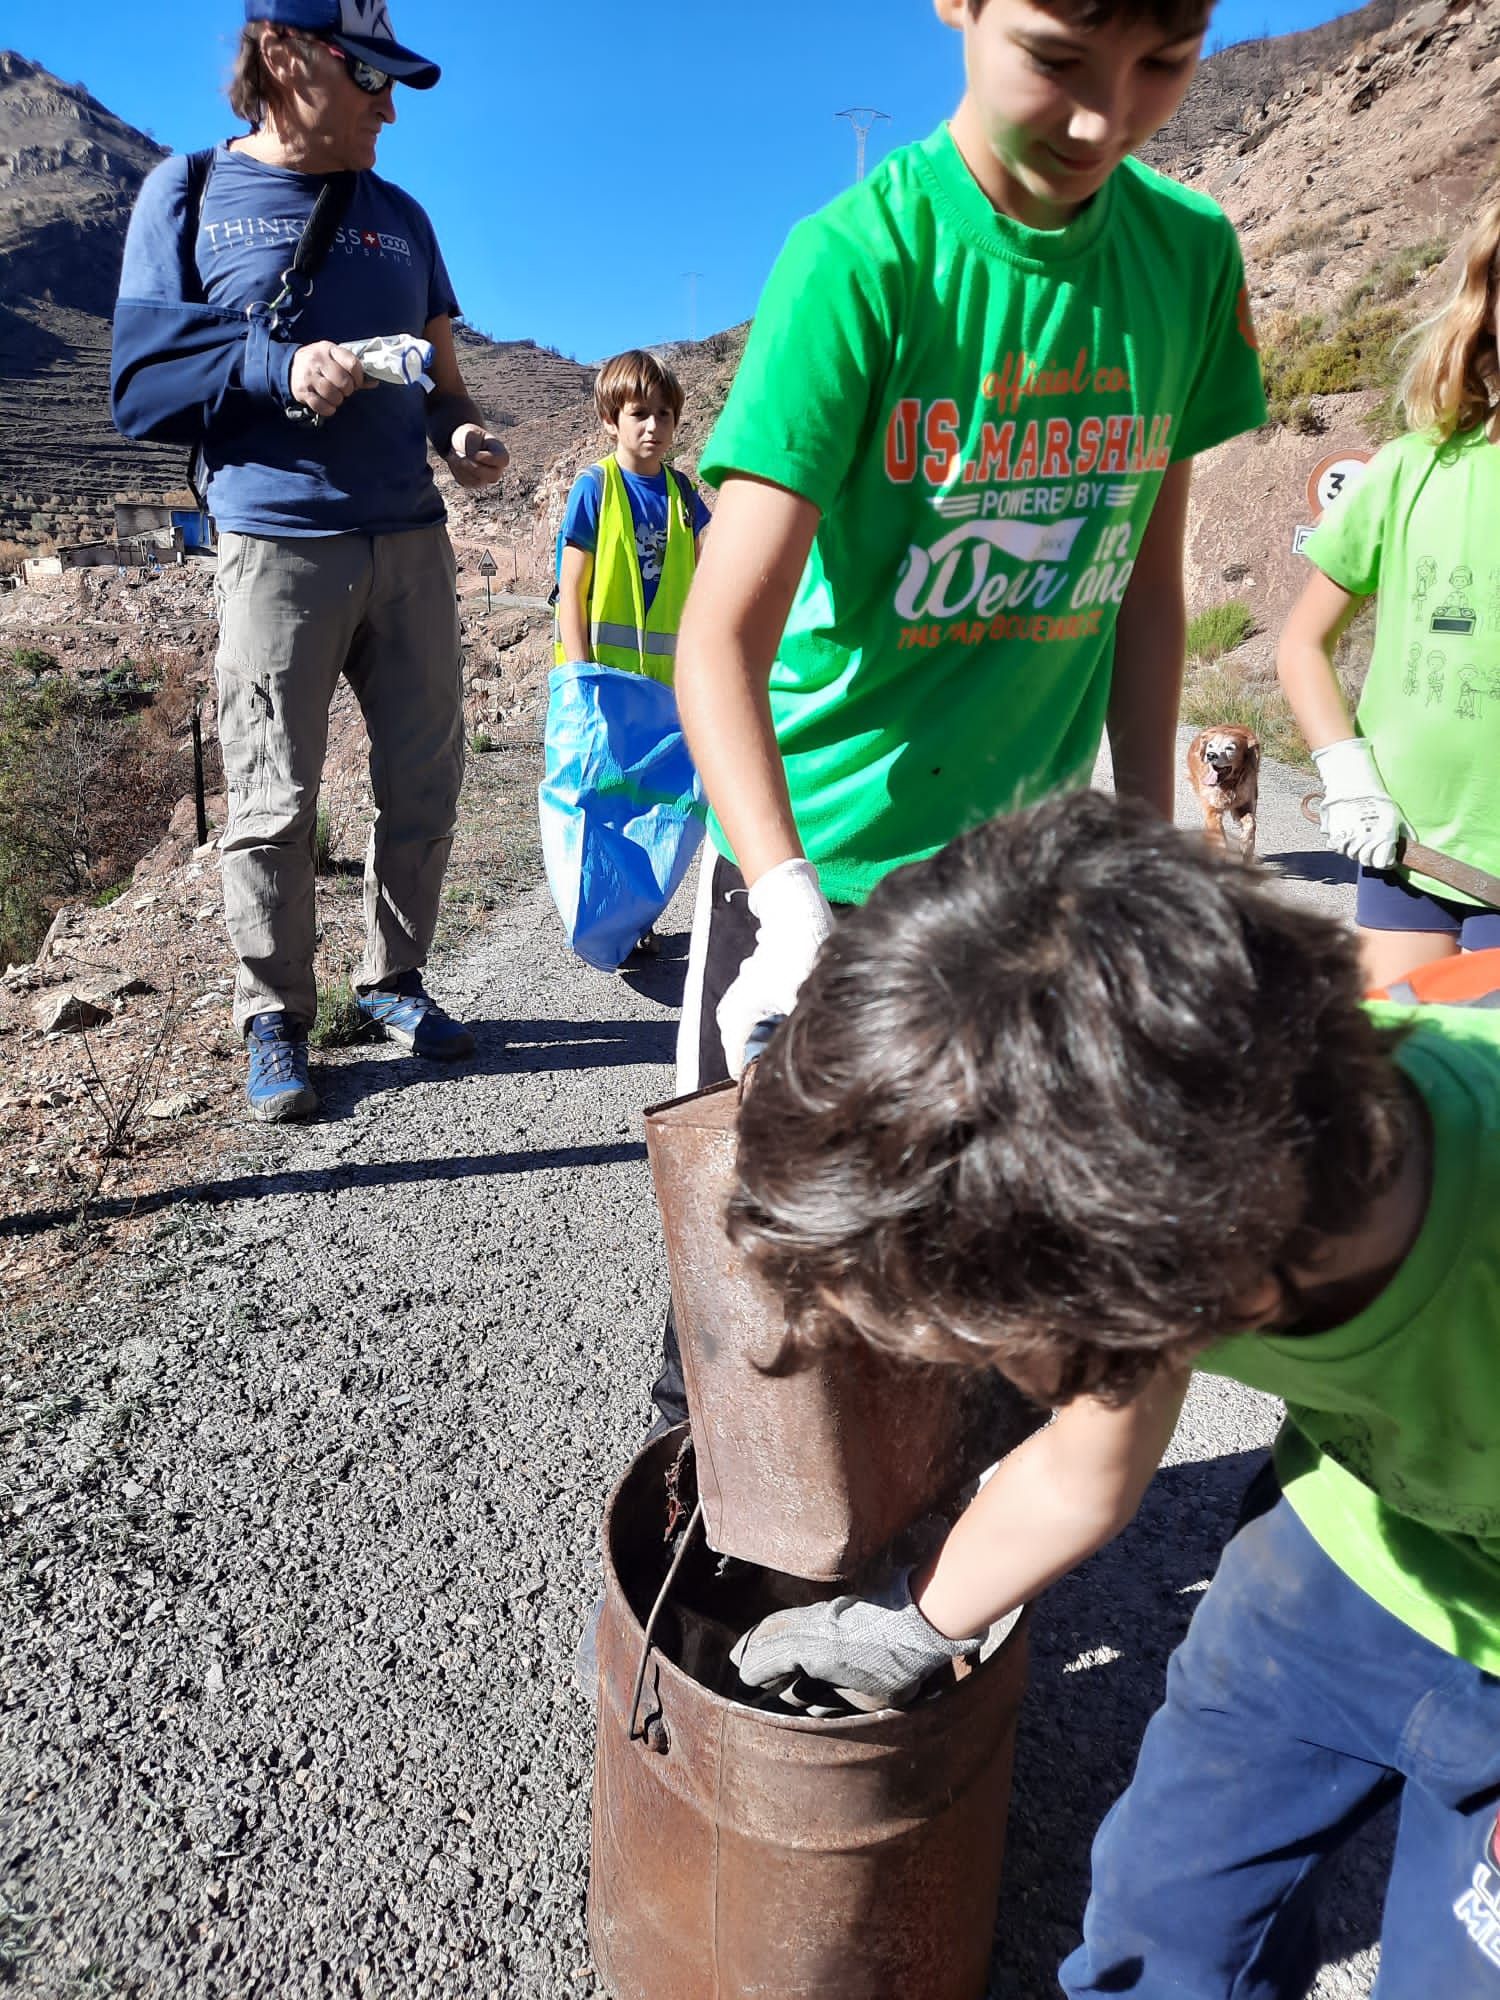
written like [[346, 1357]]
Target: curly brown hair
[[1058, 1100]]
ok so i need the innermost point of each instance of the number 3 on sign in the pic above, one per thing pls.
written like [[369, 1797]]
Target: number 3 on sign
[[1333, 476]]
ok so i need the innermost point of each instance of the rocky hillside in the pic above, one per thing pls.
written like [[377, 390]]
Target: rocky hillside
[[1350, 187], [69, 171]]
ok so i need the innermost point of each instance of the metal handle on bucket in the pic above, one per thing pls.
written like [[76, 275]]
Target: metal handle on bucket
[[656, 1611]]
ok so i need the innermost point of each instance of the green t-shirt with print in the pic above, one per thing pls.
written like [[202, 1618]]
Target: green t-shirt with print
[[983, 414], [1420, 528], [1391, 1451]]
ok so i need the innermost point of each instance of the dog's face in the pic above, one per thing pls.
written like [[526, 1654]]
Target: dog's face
[[1224, 758]]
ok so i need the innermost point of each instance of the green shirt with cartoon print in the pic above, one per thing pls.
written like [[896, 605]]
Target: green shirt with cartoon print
[[1391, 1451], [1419, 528], [983, 414]]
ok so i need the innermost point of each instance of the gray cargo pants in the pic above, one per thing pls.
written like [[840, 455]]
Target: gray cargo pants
[[293, 615]]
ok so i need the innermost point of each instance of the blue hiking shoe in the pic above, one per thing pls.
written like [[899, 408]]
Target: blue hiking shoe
[[408, 1014], [277, 1086]]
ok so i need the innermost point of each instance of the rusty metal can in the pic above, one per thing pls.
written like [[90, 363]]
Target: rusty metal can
[[811, 1471], [737, 1852]]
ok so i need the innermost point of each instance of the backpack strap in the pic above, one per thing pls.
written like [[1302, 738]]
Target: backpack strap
[[313, 246], [689, 494], [199, 167], [686, 488]]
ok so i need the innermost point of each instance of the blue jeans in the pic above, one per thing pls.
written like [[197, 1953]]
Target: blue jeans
[[1295, 1708]]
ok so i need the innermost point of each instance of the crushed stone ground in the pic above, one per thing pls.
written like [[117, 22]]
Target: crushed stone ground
[[298, 1527]]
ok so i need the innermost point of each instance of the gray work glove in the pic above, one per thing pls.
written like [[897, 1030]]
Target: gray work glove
[[873, 1648]]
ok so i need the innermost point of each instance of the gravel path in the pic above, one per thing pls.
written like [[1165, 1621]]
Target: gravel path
[[299, 1525]]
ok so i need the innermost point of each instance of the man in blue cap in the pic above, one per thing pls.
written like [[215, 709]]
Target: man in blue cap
[[333, 556]]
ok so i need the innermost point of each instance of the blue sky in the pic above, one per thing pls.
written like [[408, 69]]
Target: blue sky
[[580, 158]]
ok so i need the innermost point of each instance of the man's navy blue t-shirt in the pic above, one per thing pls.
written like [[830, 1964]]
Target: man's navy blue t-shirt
[[364, 470]]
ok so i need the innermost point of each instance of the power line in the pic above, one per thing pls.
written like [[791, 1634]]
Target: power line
[[861, 117]]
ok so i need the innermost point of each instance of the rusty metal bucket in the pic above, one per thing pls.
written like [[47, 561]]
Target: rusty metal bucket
[[737, 1852], [814, 1472]]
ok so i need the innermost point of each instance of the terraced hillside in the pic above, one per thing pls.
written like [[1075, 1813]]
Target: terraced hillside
[[69, 171]]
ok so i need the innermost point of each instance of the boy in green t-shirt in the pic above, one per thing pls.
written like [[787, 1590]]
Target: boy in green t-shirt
[[1079, 1100], [954, 470]]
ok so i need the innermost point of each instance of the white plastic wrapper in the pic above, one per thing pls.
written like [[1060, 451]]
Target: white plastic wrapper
[[398, 358]]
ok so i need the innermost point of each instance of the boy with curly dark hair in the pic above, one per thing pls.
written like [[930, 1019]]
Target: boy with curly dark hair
[[1077, 1100]]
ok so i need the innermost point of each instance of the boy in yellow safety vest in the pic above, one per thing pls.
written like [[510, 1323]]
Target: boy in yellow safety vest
[[621, 810], [630, 533]]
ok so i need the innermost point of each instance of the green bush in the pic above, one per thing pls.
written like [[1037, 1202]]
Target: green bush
[[1395, 276], [481, 741], [1218, 630], [339, 1024], [80, 802], [323, 842], [1357, 346], [1308, 357], [30, 660]]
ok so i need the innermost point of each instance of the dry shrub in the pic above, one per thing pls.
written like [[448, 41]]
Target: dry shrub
[[88, 781]]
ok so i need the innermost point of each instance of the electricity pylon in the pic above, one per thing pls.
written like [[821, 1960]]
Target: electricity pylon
[[861, 117]]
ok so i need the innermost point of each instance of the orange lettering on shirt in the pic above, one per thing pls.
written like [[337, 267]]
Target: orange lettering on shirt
[[1059, 437], [901, 442], [942, 441], [1026, 464], [1090, 437], [994, 451], [1115, 457]]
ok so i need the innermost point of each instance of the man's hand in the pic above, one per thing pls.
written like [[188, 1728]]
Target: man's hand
[[325, 376], [794, 920], [475, 456], [873, 1649], [1358, 815]]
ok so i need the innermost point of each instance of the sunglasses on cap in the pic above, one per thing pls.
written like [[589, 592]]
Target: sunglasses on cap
[[363, 75]]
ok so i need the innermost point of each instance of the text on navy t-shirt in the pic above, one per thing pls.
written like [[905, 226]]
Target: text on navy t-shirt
[[364, 470]]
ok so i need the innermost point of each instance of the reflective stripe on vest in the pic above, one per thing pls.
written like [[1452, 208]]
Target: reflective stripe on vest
[[661, 644], [623, 633]]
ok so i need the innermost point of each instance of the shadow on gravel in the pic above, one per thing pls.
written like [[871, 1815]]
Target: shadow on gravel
[[1098, 1672], [661, 978], [1313, 865], [332, 1180]]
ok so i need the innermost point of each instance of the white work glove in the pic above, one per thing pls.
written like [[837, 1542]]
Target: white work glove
[[1357, 814], [398, 358], [794, 920], [877, 1648]]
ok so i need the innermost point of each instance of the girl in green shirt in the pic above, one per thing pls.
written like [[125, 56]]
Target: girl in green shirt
[[1420, 529]]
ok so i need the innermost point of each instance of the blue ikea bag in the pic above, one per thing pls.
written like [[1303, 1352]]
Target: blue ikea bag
[[621, 807]]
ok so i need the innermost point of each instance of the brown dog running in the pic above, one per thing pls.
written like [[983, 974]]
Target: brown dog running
[[1224, 767]]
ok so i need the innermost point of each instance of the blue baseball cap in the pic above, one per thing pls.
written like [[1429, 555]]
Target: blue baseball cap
[[361, 28]]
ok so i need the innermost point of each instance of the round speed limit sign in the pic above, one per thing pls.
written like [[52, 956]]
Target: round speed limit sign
[[1333, 476]]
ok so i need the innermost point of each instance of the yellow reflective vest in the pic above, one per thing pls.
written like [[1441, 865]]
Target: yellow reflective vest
[[622, 632]]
